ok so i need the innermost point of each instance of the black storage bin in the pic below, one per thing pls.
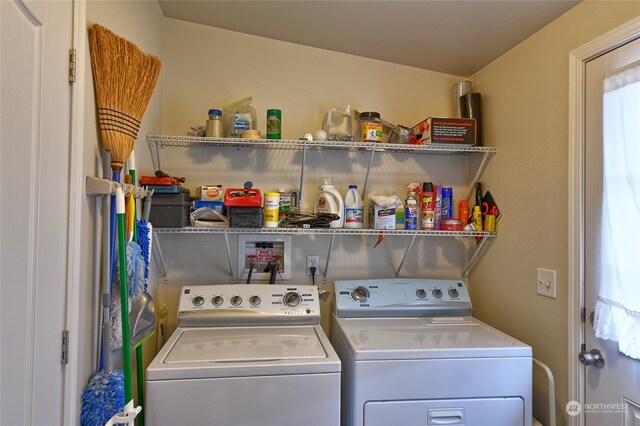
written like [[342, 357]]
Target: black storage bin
[[245, 217], [170, 210]]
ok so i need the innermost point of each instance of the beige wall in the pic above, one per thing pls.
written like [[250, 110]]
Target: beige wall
[[525, 101], [525, 96], [206, 67], [140, 22]]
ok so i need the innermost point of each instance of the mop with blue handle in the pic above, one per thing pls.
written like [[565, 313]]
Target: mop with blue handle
[[104, 394]]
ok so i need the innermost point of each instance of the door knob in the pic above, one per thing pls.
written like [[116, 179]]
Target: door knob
[[593, 357]]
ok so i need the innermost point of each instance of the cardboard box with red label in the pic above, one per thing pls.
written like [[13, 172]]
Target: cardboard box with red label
[[457, 131]]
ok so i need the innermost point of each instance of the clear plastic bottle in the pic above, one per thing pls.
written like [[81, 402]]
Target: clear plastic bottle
[[353, 209], [239, 116]]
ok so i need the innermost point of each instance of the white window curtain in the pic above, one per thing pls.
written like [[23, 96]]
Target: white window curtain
[[617, 315]]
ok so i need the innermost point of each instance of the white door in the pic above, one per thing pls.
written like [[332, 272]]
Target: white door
[[612, 390], [35, 37]]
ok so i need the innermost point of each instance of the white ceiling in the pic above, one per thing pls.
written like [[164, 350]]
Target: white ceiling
[[456, 37]]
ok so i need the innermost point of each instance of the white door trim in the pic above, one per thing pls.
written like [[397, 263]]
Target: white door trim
[[72, 388], [578, 59]]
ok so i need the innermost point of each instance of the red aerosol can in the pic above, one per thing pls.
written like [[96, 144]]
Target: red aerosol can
[[428, 206]]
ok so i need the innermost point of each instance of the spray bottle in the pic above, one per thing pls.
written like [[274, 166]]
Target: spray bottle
[[427, 206], [411, 211]]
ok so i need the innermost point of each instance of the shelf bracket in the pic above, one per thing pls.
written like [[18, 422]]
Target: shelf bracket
[[326, 265], [232, 278], [483, 165], [413, 239], [366, 176], [304, 159], [157, 254], [482, 246], [155, 147]]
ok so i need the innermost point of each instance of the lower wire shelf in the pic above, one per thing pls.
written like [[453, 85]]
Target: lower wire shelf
[[320, 231], [484, 240]]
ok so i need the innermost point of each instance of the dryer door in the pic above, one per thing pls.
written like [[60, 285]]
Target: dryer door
[[467, 412]]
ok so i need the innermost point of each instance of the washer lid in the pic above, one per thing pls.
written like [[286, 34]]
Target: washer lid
[[245, 345], [208, 352], [425, 338]]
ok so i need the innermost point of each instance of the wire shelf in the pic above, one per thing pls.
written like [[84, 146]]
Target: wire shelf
[[298, 144], [321, 231]]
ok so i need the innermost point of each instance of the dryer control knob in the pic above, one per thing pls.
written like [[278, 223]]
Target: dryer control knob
[[291, 299], [217, 300], [198, 301], [421, 293], [236, 300], [254, 300], [437, 293], [453, 293], [360, 294]]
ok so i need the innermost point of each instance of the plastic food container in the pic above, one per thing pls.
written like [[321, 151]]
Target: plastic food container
[[371, 126]]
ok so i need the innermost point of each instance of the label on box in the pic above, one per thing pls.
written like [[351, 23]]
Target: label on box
[[213, 205], [210, 192], [382, 217], [459, 131]]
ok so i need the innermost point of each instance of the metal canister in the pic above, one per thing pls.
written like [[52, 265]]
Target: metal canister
[[274, 124]]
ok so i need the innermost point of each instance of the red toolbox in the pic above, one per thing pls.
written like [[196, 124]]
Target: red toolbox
[[244, 207], [242, 197]]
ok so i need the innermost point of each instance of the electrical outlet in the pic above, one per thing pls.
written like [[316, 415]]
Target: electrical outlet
[[546, 283], [312, 261]]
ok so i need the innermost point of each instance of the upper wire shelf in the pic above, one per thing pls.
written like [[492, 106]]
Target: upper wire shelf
[[299, 144]]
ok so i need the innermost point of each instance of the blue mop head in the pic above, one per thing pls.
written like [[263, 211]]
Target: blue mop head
[[135, 279], [102, 398], [145, 247]]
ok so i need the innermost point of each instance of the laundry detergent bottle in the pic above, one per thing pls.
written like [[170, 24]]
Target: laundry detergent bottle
[[329, 200]]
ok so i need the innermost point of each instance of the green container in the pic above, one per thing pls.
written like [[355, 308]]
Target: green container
[[274, 124]]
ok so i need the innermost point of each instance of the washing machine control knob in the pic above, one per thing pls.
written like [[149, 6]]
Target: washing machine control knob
[[198, 301], [217, 300], [236, 300], [254, 300], [360, 294], [437, 293], [421, 293], [453, 293], [291, 299]]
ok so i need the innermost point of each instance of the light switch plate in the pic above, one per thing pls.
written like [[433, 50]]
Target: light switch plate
[[546, 283]]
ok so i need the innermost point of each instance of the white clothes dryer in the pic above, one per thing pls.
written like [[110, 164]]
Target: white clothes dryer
[[412, 355], [245, 355]]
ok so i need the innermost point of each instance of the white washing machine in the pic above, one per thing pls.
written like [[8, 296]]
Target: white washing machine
[[413, 355], [244, 355]]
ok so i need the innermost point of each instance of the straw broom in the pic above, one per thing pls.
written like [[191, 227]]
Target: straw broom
[[124, 78]]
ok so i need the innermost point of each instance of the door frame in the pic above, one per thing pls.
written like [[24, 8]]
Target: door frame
[[578, 59], [72, 375]]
